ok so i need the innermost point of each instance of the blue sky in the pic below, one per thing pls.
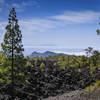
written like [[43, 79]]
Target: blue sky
[[67, 26]]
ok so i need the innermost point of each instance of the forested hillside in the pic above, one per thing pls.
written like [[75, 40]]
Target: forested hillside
[[50, 76]]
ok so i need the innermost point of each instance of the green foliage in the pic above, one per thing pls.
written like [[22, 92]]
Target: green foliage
[[92, 60], [4, 68], [44, 75], [97, 84], [98, 31], [13, 37], [93, 87], [89, 89], [13, 49], [42, 65]]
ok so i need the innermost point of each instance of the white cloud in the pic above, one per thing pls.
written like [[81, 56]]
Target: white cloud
[[19, 6], [2, 30], [38, 25], [23, 4], [2, 25], [71, 53], [78, 17], [58, 21], [35, 25], [16, 5]]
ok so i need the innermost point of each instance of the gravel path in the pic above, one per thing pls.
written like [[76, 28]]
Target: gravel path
[[77, 95]]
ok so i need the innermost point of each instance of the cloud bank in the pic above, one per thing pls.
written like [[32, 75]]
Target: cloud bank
[[35, 25], [78, 17], [60, 21]]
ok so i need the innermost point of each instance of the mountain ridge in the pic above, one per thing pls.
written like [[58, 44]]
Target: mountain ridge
[[45, 54]]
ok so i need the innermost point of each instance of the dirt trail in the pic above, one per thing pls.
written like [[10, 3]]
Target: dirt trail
[[77, 95]]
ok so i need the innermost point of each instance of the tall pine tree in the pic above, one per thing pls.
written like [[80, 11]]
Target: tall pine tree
[[13, 37], [13, 48]]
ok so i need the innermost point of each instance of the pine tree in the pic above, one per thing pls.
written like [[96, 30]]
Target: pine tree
[[13, 48], [13, 37]]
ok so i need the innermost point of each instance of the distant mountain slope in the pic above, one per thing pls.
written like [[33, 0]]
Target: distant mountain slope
[[45, 54]]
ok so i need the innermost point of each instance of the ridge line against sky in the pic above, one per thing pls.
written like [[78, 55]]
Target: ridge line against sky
[[65, 28]]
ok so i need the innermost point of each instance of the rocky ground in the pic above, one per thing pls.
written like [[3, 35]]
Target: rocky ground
[[78, 95]]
